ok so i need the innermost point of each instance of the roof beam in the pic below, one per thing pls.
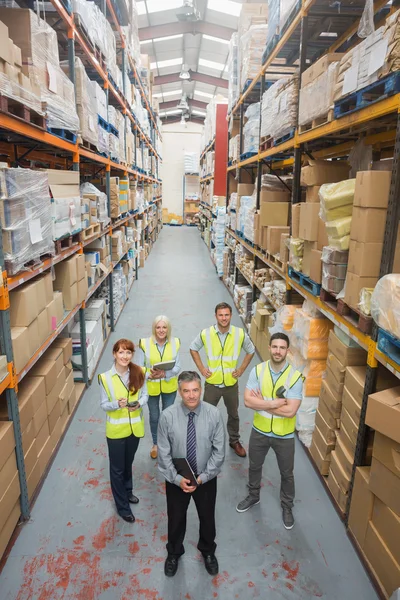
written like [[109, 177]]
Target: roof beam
[[168, 121], [194, 76], [192, 103], [182, 27]]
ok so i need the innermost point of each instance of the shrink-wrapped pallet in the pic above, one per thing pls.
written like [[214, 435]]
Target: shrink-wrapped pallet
[[251, 130], [336, 210], [233, 71], [85, 103], [252, 45], [279, 108], [385, 304], [317, 98]]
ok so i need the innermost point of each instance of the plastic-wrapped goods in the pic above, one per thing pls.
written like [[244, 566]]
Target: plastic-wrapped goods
[[284, 319], [273, 183], [251, 130], [356, 69], [365, 301], [233, 71], [332, 256], [305, 419], [26, 217], [40, 61], [316, 98], [279, 107], [85, 103], [247, 205], [90, 192], [310, 335], [191, 162], [337, 199], [252, 45], [219, 239], [385, 304], [296, 251], [233, 200], [332, 284]]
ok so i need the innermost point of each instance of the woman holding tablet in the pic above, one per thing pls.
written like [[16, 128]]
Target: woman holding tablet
[[160, 357]]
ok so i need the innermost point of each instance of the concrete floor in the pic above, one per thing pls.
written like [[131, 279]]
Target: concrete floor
[[76, 547]]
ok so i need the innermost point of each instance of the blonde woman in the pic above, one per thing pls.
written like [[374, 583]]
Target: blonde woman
[[161, 347]]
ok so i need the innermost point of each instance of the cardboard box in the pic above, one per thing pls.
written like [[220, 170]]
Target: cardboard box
[[332, 421], [344, 457], [8, 498], [368, 224], [322, 235], [312, 194], [387, 451], [253, 330], [34, 338], [320, 450], [261, 317], [336, 368], [317, 172], [308, 227], [351, 405], [66, 391], [80, 266], [319, 67], [23, 305], [274, 213], [54, 416], [316, 266], [328, 433], [53, 396], [31, 390], [7, 472], [66, 274], [82, 289], [43, 324], [245, 189], [386, 485], [274, 196], [284, 249], [346, 355], [66, 345], [55, 311], [333, 403], [372, 189], [362, 502], [383, 413], [387, 524], [306, 265], [30, 458], [40, 289], [350, 426], [55, 353], [33, 479], [340, 474], [27, 436], [48, 370], [264, 345], [339, 495], [383, 564], [6, 48], [20, 345], [296, 220], [9, 526], [335, 386], [274, 238], [43, 434], [7, 441], [70, 297], [354, 285]]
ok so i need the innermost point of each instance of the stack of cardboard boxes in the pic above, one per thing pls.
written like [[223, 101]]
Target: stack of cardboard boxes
[[119, 245], [273, 220], [259, 329], [98, 259], [374, 518], [95, 323], [65, 202], [71, 279], [121, 200], [9, 485], [35, 311]]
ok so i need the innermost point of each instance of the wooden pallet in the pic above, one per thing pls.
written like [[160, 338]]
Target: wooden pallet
[[307, 283], [88, 146], [266, 143], [66, 242], [16, 108], [323, 120], [374, 92], [90, 232], [354, 316]]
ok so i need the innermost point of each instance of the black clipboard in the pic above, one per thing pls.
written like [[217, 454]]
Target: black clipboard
[[183, 468]]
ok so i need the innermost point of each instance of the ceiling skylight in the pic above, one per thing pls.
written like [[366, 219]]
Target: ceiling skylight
[[225, 6], [166, 63], [215, 39], [199, 112], [211, 64], [157, 5], [203, 94]]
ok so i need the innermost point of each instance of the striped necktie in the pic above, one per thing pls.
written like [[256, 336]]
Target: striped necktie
[[191, 443]]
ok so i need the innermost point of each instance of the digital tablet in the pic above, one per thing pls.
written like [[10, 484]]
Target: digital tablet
[[164, 366]]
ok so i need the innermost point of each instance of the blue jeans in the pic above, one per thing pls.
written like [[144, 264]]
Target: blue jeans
[[154, 410]]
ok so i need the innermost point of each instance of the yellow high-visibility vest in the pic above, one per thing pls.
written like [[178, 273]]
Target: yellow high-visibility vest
[[153, 356], [121, 423], [263, 420], [222, 360]]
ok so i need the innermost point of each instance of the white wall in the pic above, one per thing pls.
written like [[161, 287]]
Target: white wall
[[176, 141]]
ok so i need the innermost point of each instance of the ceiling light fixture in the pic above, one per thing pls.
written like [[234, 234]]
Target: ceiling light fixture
[[188, 12], [183, 104], [184, 74]]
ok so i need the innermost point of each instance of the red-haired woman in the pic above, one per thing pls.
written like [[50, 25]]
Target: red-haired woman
[[123, 394]]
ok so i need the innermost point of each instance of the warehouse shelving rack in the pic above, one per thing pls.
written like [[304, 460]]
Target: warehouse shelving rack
[[24, 145], [378, 124]]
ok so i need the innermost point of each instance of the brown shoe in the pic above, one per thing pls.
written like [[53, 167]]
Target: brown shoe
[[238, 448], [154, 452]]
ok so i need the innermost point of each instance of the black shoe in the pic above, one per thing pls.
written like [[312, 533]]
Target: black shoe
[[128, 518], [170, 566], [287, 518], [133, 499], [211, 563]]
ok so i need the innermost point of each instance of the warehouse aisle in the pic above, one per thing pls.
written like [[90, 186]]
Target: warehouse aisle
[[76, 547]]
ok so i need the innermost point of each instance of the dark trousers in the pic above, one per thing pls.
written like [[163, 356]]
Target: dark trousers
[[177, 504], [121, 453], [230, 394], [259, 446]]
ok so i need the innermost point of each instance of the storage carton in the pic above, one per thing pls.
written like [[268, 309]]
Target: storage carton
[[28, 435], [383, 564], [339, 495], [274, 238], [319, 67], [34, 338], [53, 396], [350, 426], [55, 311], [340, 474], [321, 450], [7, 472], [386, 485], [66, 274], [383, 413], [40, 289], [48, 370], [296, 220], [20, 344], [308, 227], [33, 479], [7, 441], [354, 285], [80, 266], [43, 325], [55, 353], [312, 194], [387, 524], [43, 434], [70, 296], [31, 390], [274, 213], [245, 189], [316, 266], [336, 368], [345, 354], [274, 196], [348, 444], [66, 345], [54, 416], [8, 498], [308, 248], [23, 305], [283, 249], [9, 526], [317, 172], [344, 457], [351, 405], [362, 502], [326, 431], [30, 458], [82, 289], [324, 412], [372, 189], [368, 224], [387, 451], [261, 317], [333, 403]]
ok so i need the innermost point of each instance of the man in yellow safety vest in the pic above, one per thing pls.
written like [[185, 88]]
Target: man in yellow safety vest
[[223, 343], [274, 391]]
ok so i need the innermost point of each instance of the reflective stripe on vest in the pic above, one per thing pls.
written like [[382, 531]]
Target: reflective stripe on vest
[[222, 360], [263, 420], [121, 423], [153, 356]]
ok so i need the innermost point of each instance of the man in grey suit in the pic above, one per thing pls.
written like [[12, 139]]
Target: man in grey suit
[[194, 430]]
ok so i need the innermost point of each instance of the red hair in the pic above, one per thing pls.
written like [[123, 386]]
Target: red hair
[[136, 375]]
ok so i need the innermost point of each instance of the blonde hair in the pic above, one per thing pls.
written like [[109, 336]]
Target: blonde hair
[[166, 321]]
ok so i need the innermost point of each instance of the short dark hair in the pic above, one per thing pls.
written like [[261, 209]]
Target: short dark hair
[[279, 336], [223, 305], [188, 376]]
